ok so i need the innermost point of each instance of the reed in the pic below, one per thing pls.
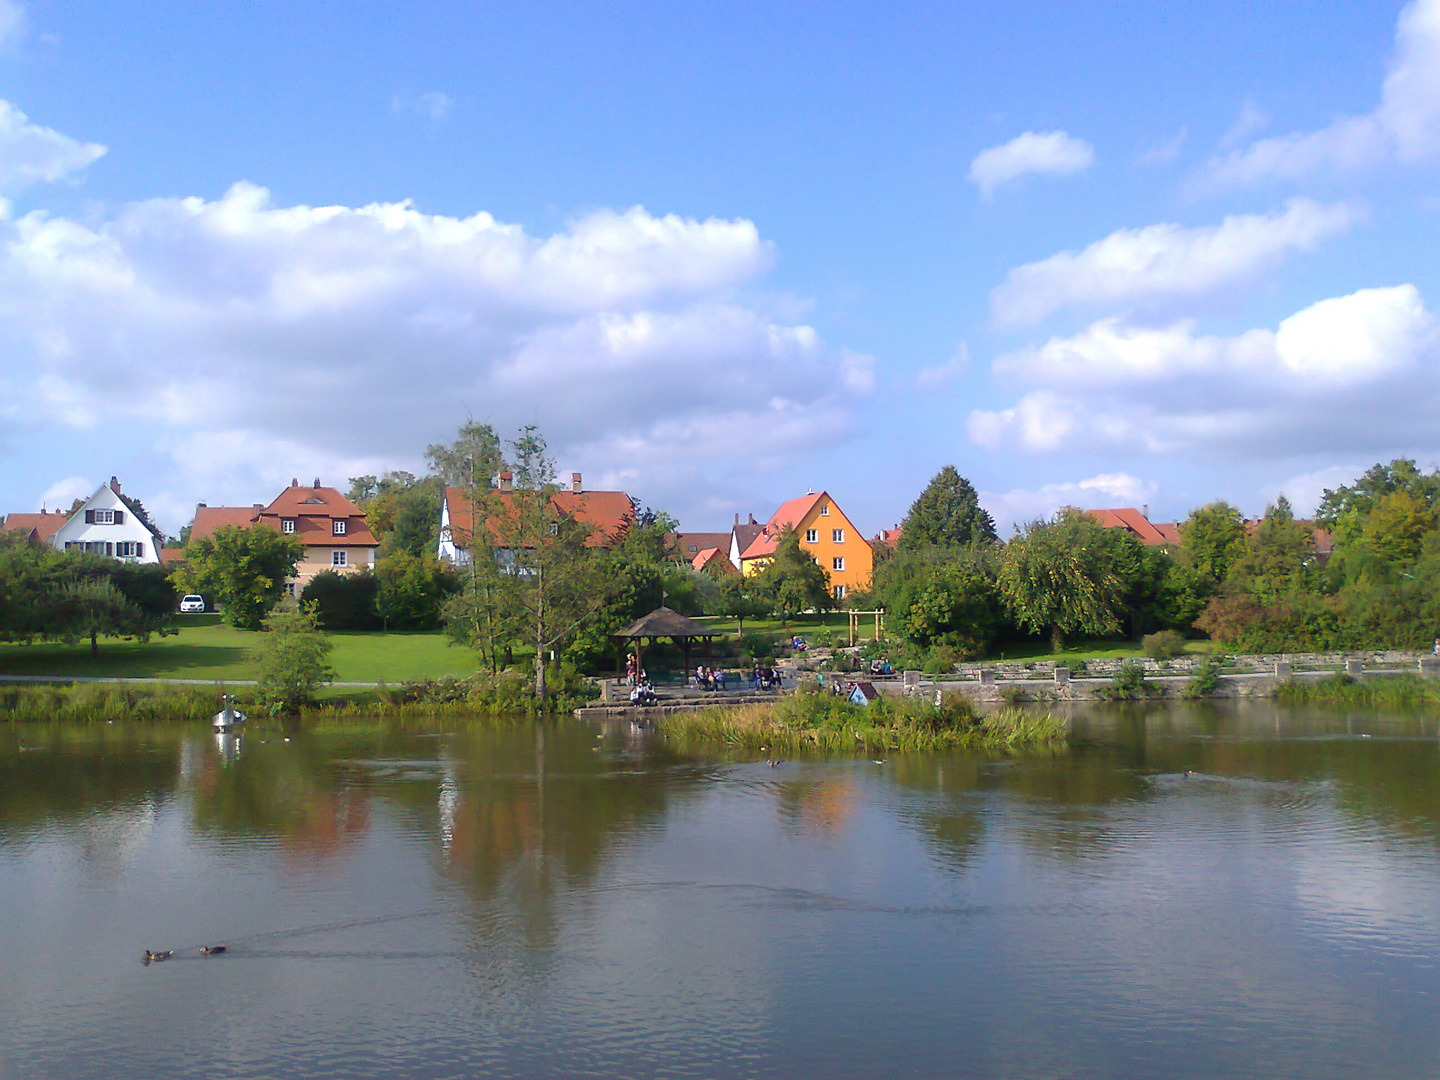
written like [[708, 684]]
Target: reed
[[1397, 691], [101, 702], [834, 725]]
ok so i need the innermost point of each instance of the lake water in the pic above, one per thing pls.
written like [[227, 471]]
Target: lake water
[[540, 901]]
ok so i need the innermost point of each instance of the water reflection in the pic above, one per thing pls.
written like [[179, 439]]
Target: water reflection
[[1190, 891]]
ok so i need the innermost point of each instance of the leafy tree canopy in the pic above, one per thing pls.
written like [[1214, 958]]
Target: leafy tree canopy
[[292, 660], [1213, 538], [793, 580], [1060, 576], [244, 569], [947, 514], [471, 461]]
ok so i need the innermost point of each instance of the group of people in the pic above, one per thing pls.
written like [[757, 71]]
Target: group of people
[[764, 677], [881, 667], [634, 673], [708, 678]]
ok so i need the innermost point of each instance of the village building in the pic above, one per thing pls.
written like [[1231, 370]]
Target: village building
[[332, 529], [742, 536], [608, 513], [106, 524], [825, 532]]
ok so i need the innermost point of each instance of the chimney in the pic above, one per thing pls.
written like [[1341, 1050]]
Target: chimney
[[507, 481], [202, 504], [575, 485], [752, 519], [737, 519], [115, 485], [317, 483], [294, 481], [1145, 511]]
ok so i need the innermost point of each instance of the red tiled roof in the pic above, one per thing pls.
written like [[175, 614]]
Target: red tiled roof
[[686, 544], [709, 555], [889, 537], [607, 511], [41, 527], [208, 519], [787, 517], [1127, 517], [171, 556]]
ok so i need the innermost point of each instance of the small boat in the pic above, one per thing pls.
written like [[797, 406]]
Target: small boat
[[228, 718]]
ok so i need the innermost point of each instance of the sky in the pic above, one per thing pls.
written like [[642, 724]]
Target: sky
[[1099, 254]]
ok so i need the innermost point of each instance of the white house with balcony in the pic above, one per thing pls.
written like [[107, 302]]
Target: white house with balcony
[[108, 525]]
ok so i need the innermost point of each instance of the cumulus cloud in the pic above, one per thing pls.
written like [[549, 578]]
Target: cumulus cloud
[[253, 341], [61, 494], [1251, 121], [1021, 505], [1051, 152], [12, 21], [1164, 260], [31, 154], [940, 376], [1354, 371], [1405, 126]]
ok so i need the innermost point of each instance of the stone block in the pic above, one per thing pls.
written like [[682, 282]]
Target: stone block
[[987, 676], [1062, 675], [911, 680], [1429, 667], [1283, 670], [1353, 668]]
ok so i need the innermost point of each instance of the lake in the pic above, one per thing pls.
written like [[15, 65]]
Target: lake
[[1195, 892]]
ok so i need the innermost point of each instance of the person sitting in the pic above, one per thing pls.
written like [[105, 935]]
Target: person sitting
[[643, 694], [720, 680]]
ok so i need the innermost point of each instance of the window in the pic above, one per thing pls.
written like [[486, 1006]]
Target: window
[[825, 510], [837, 563], [837, 536], [338, 525], [339, 558], [287, 525], [130, 549], [554, 528], [104, 517], [812, 536], [290, 589], [839, 591]]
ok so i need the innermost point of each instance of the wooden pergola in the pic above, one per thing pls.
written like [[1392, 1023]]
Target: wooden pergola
[[663, 622]]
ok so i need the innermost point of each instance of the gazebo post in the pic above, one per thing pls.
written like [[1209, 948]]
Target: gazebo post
[[686, 673]]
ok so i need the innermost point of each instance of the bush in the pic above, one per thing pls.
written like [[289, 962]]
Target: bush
[[343, 601], [292, 659], [1204, 682], [941, 661], [1164, 645], [758, 645], [1129, 684]]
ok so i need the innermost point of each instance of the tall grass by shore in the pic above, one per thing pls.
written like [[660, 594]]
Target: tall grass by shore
[[99, 702], [824, 722], [1396, 691]]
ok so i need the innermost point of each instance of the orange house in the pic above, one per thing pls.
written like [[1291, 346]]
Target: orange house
[[826, 533]]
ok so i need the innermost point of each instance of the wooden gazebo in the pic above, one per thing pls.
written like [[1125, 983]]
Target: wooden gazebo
[[663, 622]]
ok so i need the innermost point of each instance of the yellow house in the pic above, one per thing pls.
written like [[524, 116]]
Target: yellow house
[[826, 533]]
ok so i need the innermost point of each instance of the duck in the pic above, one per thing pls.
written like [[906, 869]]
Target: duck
[[212, 950], [158, 954], [878, 761]]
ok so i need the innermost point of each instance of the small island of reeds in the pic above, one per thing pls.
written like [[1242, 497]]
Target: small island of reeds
[[830, 723]]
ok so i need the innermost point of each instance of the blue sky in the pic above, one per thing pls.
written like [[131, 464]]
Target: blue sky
[[1103, 254]]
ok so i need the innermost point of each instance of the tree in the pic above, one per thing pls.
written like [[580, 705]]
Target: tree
[[1279, 559], [243, 569], [1344, 509], [793, 580], [1213, 538], [947, 514], [742, 598], [402, 511], [471, 461], [89, 608], [413, 588], [957, 605], [292, 659], [343, 601], [1058, 576], [1396, 526]]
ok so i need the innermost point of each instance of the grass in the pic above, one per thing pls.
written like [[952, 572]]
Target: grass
[[1388, 690], [205, 648], [832, 621], [827, 723]]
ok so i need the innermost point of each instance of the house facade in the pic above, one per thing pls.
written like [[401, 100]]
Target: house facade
[[108, 525], [331, 529], [826, 533], [608, 513]]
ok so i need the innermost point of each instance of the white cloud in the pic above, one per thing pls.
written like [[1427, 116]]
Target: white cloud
[[434, 105], [1251, 121], [1304, 490], [1051, 152], [1405, 126], [61, 494], [1165, 152], [1164, 260], [12, 21], [31, 154], [1021, 505], [1356, 372], [253, 342], [936, 378]]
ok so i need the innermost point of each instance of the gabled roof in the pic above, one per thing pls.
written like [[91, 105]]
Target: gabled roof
[[609, 512], [789, 515], [313, 509], [39, 527], [665, 622], [709, 555], [1132, 520], [687, 544], [171, 556], [208, 519]]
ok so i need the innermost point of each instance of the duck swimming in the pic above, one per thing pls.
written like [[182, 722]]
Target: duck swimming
[[158, 954], [212, 950]]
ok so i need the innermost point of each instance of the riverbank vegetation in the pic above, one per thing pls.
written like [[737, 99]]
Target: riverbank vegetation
[[827, 722], [1395, 691]]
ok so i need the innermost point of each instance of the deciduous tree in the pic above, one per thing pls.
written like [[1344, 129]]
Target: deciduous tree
[[244, 569]]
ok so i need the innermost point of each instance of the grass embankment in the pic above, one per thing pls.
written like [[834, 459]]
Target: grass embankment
[[1397, 691], [205, 648], [817, 721]]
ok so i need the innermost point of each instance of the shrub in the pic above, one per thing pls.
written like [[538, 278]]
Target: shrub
[[941, 661], [1164, 645], [1129, 684], [292, 659], [758, 645], [1205, 680], [343, 601]]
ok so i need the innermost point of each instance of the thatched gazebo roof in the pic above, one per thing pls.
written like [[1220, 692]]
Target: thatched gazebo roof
[[667, 623]]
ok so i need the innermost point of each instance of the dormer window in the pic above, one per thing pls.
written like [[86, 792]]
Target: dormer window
[[287, 525], [339, 526], [825, 510]]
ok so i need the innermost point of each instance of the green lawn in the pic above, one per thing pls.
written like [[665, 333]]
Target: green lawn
[[205, 648]]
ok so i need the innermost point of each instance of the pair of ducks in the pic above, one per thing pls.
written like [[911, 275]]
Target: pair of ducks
[[157, 955]]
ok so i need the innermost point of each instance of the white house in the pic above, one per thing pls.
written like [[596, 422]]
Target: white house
[[107, 525]]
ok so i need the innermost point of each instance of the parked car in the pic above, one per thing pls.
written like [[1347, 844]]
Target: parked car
[[192, 605]]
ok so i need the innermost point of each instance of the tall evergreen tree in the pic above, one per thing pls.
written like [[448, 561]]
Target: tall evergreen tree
[[947, 514]]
